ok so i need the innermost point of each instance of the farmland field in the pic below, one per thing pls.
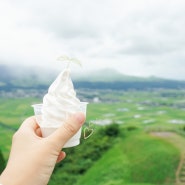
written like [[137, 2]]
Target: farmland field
[[111, 158]]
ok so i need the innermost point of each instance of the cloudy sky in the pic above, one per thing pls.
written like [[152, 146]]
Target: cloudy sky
[[136, 37]]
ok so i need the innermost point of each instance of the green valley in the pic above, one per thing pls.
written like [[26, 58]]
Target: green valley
[[122, 149]]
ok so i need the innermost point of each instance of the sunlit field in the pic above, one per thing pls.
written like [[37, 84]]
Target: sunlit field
[[133, 141]]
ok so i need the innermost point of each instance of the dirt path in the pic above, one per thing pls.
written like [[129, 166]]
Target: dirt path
[[179, 142]]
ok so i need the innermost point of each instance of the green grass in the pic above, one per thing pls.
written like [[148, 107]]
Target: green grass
[[12, 113], [112, 167], [5, 142], [136, 159], [2, 162], [152, 160]]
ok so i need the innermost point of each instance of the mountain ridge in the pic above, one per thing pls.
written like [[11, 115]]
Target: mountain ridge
[[7, 73], [111, 75], [19, 77]]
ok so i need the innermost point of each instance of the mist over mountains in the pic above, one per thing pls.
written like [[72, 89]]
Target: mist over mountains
[[12, 77]]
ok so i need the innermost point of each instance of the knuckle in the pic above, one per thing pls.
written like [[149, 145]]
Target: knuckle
[[69, 128], [19, 135]]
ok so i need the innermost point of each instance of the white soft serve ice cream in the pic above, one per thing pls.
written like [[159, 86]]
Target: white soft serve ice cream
[[60, 101]]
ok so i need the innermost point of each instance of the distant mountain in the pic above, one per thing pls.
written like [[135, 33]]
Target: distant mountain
[[112, 79], [25, 76], [5, 73], [19, 77], [104, 75], [110, 75]]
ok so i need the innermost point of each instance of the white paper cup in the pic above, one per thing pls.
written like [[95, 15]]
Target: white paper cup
[[47, 130]]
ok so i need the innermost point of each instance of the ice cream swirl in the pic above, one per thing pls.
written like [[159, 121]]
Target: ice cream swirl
[[60, 101]]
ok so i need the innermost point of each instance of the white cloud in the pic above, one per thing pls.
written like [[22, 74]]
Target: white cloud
[[143, 37]]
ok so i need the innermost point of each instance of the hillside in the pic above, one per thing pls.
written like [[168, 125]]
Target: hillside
[[125, 162], [119, 153], [25, 77], [110, 75], [21, 74], [19, 77]]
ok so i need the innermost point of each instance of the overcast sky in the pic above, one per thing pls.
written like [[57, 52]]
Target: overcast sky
[[136, 37]]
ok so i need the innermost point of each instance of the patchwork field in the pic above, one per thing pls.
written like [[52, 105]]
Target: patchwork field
[[115, 155]]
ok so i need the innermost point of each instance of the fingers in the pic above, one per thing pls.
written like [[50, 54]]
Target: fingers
[[38, 132], [29, 126], [30, 123], [61, 135], [67, 130], [28, 130], [61, 156]]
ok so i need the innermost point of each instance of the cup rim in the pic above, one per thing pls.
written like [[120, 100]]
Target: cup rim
[[41, 104]]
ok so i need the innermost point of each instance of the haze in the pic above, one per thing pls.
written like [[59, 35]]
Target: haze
[[141, 38]]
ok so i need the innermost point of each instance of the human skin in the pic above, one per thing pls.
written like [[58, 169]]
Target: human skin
[[33, 158]]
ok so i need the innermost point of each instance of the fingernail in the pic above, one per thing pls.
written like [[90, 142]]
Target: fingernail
[[80, 117]]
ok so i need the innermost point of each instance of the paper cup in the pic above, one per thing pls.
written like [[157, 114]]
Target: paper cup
[[47, 130]]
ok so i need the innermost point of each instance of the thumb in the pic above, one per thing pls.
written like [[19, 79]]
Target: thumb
[[67, 130]]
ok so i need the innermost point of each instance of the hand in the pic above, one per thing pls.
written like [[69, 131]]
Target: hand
[[33, 158]]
